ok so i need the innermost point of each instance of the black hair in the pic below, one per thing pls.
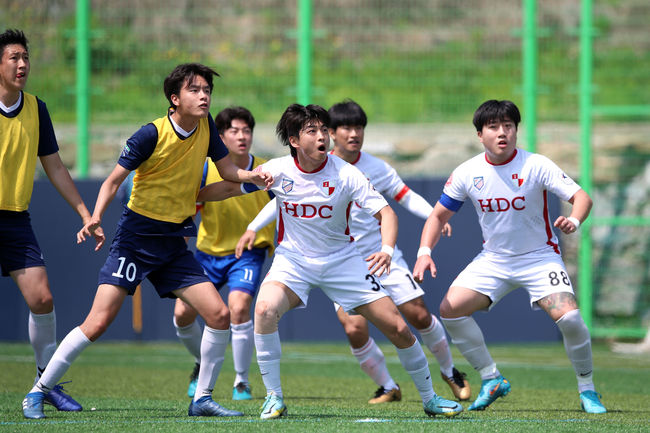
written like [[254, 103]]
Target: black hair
[[225, 117], [185, 73], [347, 113], [295, 117], [496, 110], [12, 37]]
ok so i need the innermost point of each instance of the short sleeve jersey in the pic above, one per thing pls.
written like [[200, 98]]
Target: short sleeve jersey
[[27, 133], [314, 207], [365, 227], [511, 200]]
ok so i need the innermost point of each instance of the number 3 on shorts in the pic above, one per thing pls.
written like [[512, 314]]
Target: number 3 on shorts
[[376, 286], [130, 270]]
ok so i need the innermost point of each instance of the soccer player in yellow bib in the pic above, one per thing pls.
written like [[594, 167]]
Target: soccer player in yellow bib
[[28, 134], [168, 156], [221, 224]]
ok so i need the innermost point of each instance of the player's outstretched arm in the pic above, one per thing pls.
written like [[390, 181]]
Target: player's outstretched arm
[[379, 262], [104, 198], [229, 171], [579, 212], [218, 191], [430, 237], [62, 181]]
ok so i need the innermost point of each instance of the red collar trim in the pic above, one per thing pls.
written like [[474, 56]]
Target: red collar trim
[[504, 162], [353, 162], [319, 168]]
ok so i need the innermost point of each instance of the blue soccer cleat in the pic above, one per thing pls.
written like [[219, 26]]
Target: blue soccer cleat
[[242, 391], [590, 402], [273, 407], [491, 389], [441, 406], [194, 379], [205, 406], [33, 405], [62, 401]]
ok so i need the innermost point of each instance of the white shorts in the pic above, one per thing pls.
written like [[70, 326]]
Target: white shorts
[[342, 276], [399, 284], [541, 274]]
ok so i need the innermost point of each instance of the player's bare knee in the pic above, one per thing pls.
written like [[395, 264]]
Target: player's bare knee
[[266, 314], [404, 332], [184, 315], [239, 314], [183, 320], [447, 311], [94, 327], [217, 318], [400, 335], [420, 319], [356, 334], [42, 304]]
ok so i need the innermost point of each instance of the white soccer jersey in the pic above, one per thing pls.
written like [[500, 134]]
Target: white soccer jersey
[[511, 200], [314, 208], [364, 227]]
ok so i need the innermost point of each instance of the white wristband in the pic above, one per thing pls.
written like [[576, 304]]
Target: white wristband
[[424, 251], [387, 249], [575, 221]]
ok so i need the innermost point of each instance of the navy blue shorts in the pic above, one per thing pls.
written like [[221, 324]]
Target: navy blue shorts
[[18, 245], [241, 274], [164, 260]]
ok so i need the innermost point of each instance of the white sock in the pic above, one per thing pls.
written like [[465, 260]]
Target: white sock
[[213, 352], [71, 346], [190, 336], [577, 343], [467, 336], [243, 345], [42, 336], [415, 363], [269, 352], [373, 363], [435, 339]]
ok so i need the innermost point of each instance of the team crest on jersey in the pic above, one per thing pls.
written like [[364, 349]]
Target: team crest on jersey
[[287, 185], [479, 182], [516, 180], [329, 189]]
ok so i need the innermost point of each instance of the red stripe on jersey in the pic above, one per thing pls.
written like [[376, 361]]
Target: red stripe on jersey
[[347, 221], [547, 223], [400, 195], [280, 228]]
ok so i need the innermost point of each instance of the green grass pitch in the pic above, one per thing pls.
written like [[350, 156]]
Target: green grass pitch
[[142, 386]]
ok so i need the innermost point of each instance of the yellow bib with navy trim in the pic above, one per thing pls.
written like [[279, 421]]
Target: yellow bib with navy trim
[[18, 153], [166, 185]]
